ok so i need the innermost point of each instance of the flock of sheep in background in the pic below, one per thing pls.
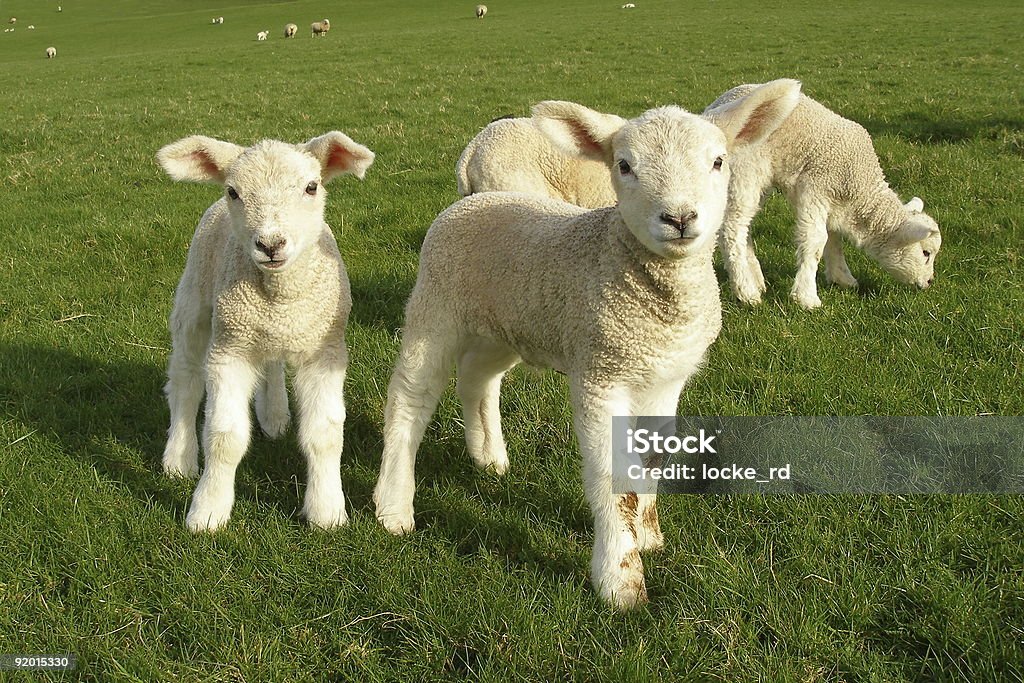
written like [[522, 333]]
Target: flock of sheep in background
[[584, 244]]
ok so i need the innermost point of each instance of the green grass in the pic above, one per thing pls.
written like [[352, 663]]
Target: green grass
[[494, 585]]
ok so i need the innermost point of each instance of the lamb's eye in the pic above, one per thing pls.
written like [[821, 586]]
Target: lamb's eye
[[232, 192], [927, 254], [311, 188], [718, 164], [624, 168]]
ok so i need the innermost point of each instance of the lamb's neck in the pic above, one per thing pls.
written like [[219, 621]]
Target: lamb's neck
[[877, 215], [668, 285]]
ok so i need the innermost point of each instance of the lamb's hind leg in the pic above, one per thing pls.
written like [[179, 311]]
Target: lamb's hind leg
[[836, 269], [272, 401], [480, 369], [190, 337], [319, 393], [419, 378], [811, 236]]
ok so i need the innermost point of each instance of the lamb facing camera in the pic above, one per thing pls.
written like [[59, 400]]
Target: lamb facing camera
[[264, 286], [623, 300]]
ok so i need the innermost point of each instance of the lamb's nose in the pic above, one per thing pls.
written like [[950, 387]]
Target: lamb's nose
[[271, 249], [930, 281], [680, 222]]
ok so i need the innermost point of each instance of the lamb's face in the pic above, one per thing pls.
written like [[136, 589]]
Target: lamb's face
[[913, 263], [671, 178], [276, 201]]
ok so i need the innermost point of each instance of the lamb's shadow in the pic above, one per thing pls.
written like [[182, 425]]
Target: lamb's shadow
[[921, 128]]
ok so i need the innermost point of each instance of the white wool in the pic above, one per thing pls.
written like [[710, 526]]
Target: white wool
[[622, 300], [264, 286], [827, 168]]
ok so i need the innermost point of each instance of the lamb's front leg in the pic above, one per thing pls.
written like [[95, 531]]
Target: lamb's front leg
[[230, 384], [811, 236], [616, 568], [319, 391], [662, 401]]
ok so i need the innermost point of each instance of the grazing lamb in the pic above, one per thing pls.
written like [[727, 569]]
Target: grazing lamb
[[514, 155], [51, 52], [320, 28], [12, 20], [481, 11], [628, 5], [828, 170], [264, 285], [290, 30], [262, 35], [31, 27], [623, 300]]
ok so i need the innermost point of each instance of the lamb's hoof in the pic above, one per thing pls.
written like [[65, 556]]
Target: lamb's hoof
[[844, 280], [807, 301], [181, 466], [647, 539], [397, 524], [625, 590], [327, 519], [497, 465], [274, 427], [203, 520], [747, 293]]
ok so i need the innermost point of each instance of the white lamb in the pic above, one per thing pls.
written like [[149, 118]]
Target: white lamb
[[290, 30], [481, 11], [51, 52], [31, 27], [320, 28], [262, 35], [623, 300], [264, 285], [828, 170], [514, 155]]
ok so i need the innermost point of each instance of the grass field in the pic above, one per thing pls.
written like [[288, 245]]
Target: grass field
[[494, 585]]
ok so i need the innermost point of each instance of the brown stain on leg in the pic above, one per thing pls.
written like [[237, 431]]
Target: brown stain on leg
[[627, 508]]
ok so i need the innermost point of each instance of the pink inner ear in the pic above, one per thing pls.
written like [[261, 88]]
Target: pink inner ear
[[587, 144], [205, 162], [340, 159], [755, 122]]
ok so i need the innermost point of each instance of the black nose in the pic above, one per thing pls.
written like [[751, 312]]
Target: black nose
[[680, 222], [930, 281], [271, 249]]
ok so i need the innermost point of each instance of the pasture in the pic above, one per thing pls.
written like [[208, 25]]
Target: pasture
[[494, 583]]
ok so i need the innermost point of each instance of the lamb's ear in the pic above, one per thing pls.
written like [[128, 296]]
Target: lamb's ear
[[339, 154], [750, 119], [198, 158], [911, 231], [915, 205], [577, 130]]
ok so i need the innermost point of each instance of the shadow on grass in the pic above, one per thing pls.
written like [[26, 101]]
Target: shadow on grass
[[921, 128], [112, 415]]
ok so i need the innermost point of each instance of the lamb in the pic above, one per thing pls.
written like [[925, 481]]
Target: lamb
[[290, 30], [220, 20], [481, 11], [628, 5], [828, 170], [12, 20], [264, 285], [623, 300], [262, 35], [31, 27], [513, 154], [320, 28], [51, 52]]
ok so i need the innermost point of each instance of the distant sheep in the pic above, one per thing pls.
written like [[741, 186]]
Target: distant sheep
[[263, 285], [51, 52], [262, 35], [12, 20], [59, 8], [290, 30], [481, 11], [827, 168], [320, 28], [31, 27], [628, 5], [217, 20]]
